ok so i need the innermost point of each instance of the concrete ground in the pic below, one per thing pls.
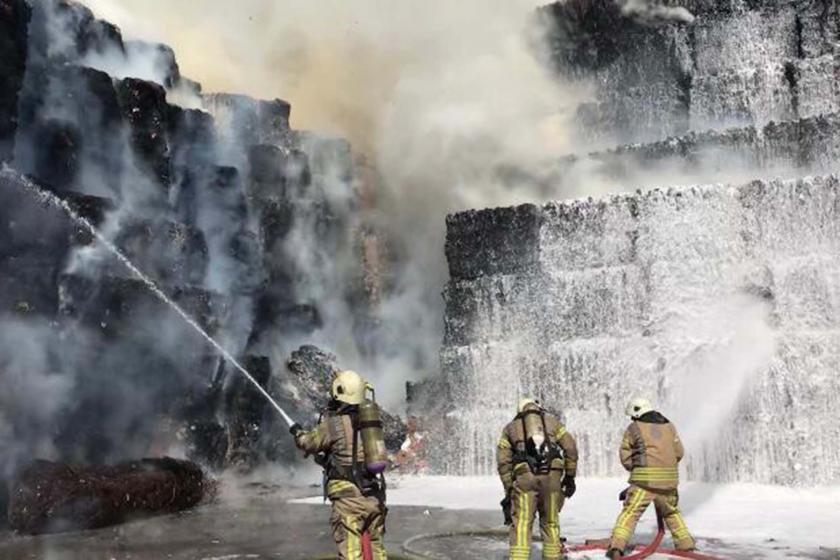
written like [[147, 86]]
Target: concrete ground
[[249, 522], [256, 522]]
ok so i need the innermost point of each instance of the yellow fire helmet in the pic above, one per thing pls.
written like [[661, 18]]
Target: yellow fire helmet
[[348, 387]]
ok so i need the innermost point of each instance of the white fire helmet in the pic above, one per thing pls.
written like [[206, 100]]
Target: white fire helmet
[[637, 407], [525, 402]]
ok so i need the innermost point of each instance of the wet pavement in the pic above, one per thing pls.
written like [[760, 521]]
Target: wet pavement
[[255, 522], [252, 522]]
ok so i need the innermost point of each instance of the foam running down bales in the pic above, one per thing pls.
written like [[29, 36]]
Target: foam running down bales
[[13, 176]]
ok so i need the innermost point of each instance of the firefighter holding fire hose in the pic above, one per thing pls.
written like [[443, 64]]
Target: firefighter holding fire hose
[[651, 450], [349, 444], [537, 462]]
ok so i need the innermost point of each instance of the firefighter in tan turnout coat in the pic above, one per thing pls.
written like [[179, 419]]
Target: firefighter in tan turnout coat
[[651, 450], [357, 496], [537, 462]]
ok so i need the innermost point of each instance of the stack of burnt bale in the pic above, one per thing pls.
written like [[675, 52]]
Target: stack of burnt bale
[[203, 201]]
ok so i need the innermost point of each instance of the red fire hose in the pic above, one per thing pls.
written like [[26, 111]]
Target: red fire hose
[[367, 548], [650, 549], [638, 554]]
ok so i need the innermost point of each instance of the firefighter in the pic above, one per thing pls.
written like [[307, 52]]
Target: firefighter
[[651, 450], [356, 493], [537, 461]]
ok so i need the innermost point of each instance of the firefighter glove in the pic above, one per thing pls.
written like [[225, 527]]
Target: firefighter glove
[[569, 487], [295, 430]]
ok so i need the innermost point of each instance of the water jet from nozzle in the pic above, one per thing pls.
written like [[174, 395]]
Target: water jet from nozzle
[[39, 193]]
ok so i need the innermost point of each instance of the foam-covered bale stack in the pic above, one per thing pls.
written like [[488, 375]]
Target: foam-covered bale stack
[[736, 63], [787, 149], [618, 297]]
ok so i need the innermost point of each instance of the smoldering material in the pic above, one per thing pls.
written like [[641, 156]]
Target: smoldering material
[[441, 99], [167, 188], [54, 497]]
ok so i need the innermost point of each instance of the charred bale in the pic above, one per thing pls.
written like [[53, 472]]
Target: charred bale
[[14, 31], [192, 143], [145, 109], [585, 34], [207, 442], [310, 373], [162, 59], [69, 116], [246, 411], [171, 253], [51, 497], [81, 33], [114, 306], [254, 121], [277, 174], [35, 243], [498, 241], [276, 314]]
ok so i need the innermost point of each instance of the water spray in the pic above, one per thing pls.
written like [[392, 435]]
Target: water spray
[[39, 193]]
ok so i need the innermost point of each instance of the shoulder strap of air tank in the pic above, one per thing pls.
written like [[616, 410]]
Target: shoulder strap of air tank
[[521, 417], [354, 468], [325, 476]]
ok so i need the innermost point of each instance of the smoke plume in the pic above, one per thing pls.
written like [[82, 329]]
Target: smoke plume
[[441, 98]]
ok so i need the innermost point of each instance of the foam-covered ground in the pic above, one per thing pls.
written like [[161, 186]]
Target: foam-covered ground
[[746, 520]]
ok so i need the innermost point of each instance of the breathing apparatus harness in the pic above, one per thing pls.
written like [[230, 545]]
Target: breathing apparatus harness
[[539, 456], [357, 473]]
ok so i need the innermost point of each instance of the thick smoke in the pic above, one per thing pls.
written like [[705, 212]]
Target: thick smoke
[[452, 107], [33, 392], [447, 101], [103, 381]]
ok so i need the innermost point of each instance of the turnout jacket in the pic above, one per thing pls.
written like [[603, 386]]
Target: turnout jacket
[[512, 449], [651, 450], [333, 437]]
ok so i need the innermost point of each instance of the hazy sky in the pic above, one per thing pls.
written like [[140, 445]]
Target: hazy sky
[[329, 58]]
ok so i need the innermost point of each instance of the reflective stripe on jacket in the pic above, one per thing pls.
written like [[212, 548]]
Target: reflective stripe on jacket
[[651, 450], [512, 443]]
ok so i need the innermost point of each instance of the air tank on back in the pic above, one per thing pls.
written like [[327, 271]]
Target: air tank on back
[[373, 439], [533, 427]]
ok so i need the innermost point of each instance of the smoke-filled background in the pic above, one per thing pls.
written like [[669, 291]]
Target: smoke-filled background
[[324, 223], [440, 99], [269, 236]]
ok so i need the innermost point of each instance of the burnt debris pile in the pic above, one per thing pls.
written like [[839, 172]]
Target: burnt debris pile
[[53, 497], [234, 215]]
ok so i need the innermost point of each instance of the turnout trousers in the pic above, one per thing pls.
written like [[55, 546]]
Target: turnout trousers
[[352, 515], [637, 501], [532, 494]]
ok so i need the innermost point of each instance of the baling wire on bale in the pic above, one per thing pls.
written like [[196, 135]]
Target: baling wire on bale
[[52, 497]]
